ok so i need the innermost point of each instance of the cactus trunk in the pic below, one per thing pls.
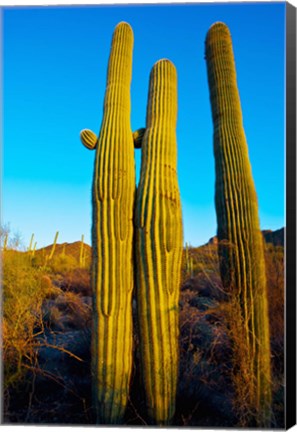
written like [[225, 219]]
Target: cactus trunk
[[158, 225], [240, 240], [81, 253], [31, 243], [53, 247], [112, 238]]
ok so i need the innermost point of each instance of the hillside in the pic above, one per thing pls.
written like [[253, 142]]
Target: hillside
[[277, 237], [68, 249], [74, 249]]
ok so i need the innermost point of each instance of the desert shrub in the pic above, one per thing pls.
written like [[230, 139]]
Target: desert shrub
[[275, 283], [48, 288], [211, 345], [275, 290], [67, 311], [77, 280], [205, 361], [61, 264], [205, 276], [22, 297]]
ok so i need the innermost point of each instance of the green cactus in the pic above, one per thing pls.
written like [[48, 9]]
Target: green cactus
[[81, 253], [63, 253], [112, 236], [34, 249], [50, 256], [240, 240], [158, 226], [89, 139], [189, 262], [31, 243]]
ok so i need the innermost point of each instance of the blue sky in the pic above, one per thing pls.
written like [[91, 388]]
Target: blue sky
[[54, 75]]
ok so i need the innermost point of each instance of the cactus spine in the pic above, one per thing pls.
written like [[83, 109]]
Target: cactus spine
[[112, 236], [240, 239], [158, 225]]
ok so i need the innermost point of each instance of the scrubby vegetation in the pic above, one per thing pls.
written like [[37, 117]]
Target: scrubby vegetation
[[46, 338]]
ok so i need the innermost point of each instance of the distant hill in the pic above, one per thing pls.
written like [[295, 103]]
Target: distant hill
[[69, 249], [73, 249], [277, 238]]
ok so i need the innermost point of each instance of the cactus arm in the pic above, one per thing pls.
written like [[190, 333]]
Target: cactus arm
[[138, 137], [159, 246], [112, 238], [240, 239], [88, 139]]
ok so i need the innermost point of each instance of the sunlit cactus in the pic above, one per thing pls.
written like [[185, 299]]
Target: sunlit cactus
[[158, 225], [240, 240], [31, 243], [81, 252], [50, 256], [89, 139], [112, 236], [34, 249]]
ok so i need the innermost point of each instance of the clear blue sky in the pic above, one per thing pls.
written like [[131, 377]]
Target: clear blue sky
[[54, 75]]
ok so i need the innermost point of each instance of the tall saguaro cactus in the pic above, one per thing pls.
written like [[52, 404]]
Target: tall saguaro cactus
[[112, 236], [240, 240], [158, 225]]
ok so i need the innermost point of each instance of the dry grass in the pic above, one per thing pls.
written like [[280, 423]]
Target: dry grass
[[33, 306], [67, 311], [23, 295]]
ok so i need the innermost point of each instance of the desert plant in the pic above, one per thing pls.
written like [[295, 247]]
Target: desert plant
[[188, 262], [158, 225], [66, 311], [34, 249], [112, 236], [60, 264], [31, 243], [81, 254], [22, 297], [50, 256], [241, 251]]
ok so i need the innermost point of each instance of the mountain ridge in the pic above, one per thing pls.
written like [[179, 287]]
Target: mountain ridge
[[275, 237]]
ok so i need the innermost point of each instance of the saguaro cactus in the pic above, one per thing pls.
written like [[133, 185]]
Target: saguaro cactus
[[81, 252], [240, 239], [112, 236], [158, 225], [31, 243], [50, 256]]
